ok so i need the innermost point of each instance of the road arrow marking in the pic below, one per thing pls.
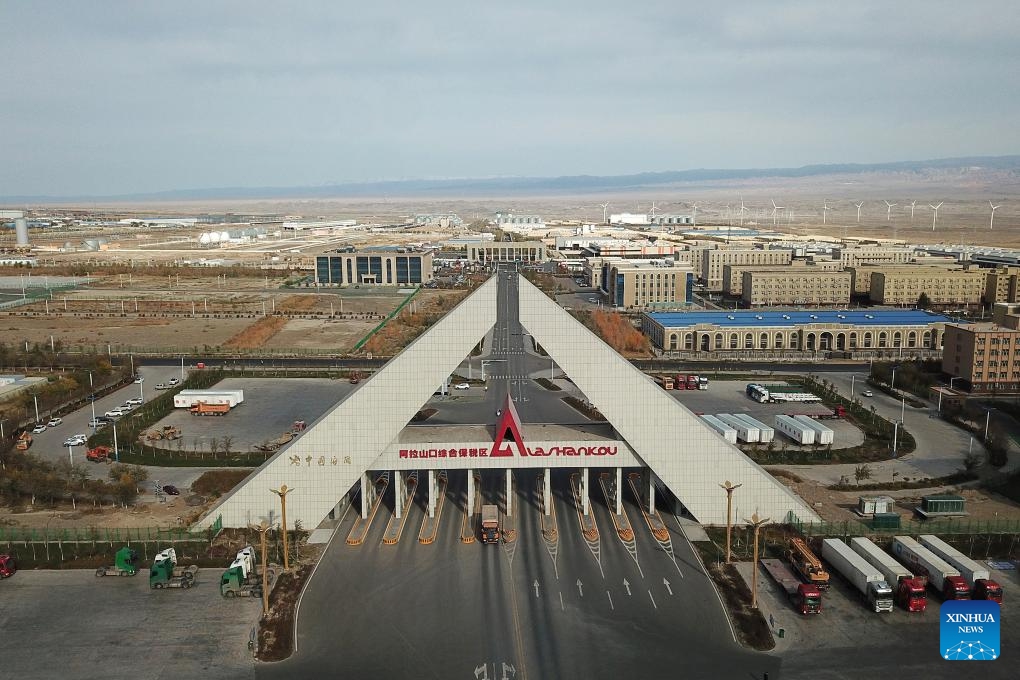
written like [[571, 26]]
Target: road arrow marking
[[626, 584], [536, 587], [580, 588], [664, 582]]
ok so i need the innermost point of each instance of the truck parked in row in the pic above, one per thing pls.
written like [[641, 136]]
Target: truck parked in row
[[490, 524], [774, 394], [188, 398], [806, 598], [203, 409], [240, 579], [125, 564], [8, 566], [807, 564], [166, 573], [868, 580], [908, 590], [981, 584], [941, 575]]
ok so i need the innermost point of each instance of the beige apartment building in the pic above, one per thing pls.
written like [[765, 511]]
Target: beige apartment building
[[1002, 284], [650, 284], [715, 260], [791, 287], [733, 274], [944, 288], [858, 255], [862, 272], [986, 356]]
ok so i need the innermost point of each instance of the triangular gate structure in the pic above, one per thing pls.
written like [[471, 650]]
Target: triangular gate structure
[[348, 440]]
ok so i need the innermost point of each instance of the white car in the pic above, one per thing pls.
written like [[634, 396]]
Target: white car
[[593, 300], [461, 386], [54, 422], [139, 379], [135, 401], [114, 413], [162, 386], [97, 423], [39, 429], [867, 393], [173, 382], [76, 440]]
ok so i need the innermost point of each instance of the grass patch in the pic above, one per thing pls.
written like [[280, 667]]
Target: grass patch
[[218, 482], [276, 630], [548, 384], [752, 629], [257, 334]]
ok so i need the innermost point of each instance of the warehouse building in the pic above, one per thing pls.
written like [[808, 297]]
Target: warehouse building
[[713, 261], [382, 268], [986, 356], [795, 287], [506, 251], [743, 333]]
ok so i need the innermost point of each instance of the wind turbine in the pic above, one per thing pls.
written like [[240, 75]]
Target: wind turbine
[[912, 204], [859, 211], [775, 209], [695, 215], [935, 215], [605, 215], [888, 210], [825, 211], [742, 209], [991, 222]]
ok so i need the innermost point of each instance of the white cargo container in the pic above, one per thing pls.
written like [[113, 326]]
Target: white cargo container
[[765, 433], [893, 571], [867, 579], [969, 569], [823, 435], [727, 432], [188, 398], [943, 576], [797, 431], [745, 432]]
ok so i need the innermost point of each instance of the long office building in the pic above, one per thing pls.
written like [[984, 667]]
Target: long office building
[[795, 287], [714, 260], [645, 284], [943, 288], [381, 268], [733, 274], [506, 251]]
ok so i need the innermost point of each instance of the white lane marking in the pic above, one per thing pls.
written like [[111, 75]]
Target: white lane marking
[[610, 601], [652, 599]]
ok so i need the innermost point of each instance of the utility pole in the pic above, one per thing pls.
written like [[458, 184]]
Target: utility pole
[[729, 489], [757, 523], [282, 493], [262, 529]]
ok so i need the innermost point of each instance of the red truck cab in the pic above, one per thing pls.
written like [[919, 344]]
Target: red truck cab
[[692, 382], [808, 599], [955, 588], [8, 566], [911, 594], [987, 589]]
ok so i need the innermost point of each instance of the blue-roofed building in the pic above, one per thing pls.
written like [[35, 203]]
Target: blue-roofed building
[[858, 333]]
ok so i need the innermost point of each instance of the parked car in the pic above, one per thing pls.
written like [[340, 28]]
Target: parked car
[[114, 413], [173, 382], [54, 422], [126, 406], [162, 386], [461, 386], [139, 379], [99, 422], [39, 429], [171, 490], [76, 440], [867, 393], [135, 401]]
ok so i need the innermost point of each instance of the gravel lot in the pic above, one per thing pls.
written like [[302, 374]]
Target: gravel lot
[[129, 632]]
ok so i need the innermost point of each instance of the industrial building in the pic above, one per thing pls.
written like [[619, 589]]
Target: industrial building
[[509, 220], [383, 268], [985, 355], [944, 288], [506, 251], [800, 286], [440, 220], [742, 333], [713, 261], [643, 284]]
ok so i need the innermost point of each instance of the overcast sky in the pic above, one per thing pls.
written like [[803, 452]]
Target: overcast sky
[[146, 96]]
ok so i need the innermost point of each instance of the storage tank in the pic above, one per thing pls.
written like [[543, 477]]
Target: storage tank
[[765, 433], [797, 431], [823, 435], [721, 428], [21, 231], [745, 432]]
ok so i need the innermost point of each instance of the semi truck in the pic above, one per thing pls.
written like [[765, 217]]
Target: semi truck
[[702, 382], [203, 409], [188, 398], [745, 432], [774, 394], [908, 590], [868, 580], [798, 432], [167, 573], [823, 435], [240, 578], [722, 429], [942, 576], [490, 524], [24, 441], [126, 564], [692, 382], [981, 584], [99, 454], [667, 382], [806, 598], [8, 566], [807, 564]]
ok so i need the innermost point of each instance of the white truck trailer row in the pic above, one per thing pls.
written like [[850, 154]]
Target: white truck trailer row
[[725, 431], [823, 435], [795, 430], [765, 433], [867, 579], [745, 433]]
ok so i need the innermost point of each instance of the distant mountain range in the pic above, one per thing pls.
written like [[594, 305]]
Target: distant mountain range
[[537, 186]]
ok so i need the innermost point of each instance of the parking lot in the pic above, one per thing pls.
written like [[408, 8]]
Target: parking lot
[[70, 624], [270, 407], [729, 396], [822, 645]]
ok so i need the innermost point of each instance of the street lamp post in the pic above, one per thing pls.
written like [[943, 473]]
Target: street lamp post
[[116, 450], [282, 493], [988, 417], [35, 399], [262, 529], [892, 384], [729, 489], [757, 523]]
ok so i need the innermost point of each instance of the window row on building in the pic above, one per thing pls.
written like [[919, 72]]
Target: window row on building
[[369, 268]]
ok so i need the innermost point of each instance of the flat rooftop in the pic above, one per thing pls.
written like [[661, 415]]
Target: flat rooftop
[[532, 433], [750, 317]]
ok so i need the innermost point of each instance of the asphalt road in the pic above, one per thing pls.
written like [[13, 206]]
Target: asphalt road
[[528, 609]]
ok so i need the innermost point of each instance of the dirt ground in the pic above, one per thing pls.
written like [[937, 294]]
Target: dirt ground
[[138, 332], [174, 513], [340, 336], [838, 505]]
